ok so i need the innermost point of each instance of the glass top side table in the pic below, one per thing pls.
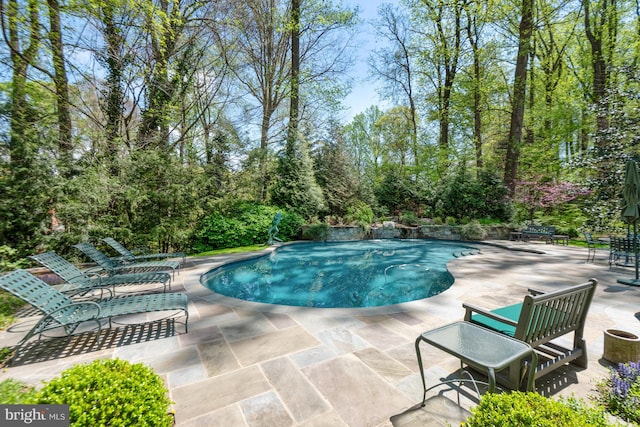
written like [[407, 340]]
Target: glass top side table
[[477, 347]]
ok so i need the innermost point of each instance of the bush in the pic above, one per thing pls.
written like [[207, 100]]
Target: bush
[[8, 306], [244, 225], [14, 392], [519, 409], [472, 231], [620, 392], [360, 213], [109, 392], [408, 218]]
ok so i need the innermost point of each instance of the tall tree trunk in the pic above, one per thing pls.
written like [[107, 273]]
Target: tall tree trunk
[[114, 103], [267, 112], [472, 35], [450, 55], [519, 94], [294, 101], [61, 82], [600, 28], [20, 151], [154, 128]]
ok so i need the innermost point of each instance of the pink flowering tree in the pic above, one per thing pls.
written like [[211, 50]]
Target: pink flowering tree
[[540, 193]]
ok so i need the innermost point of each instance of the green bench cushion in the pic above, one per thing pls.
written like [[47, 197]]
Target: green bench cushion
[[511, 312]]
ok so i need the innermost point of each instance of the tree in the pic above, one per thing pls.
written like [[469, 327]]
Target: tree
[[443, 37], [394, 65], [518, 98], [61, 82], [260, 64]]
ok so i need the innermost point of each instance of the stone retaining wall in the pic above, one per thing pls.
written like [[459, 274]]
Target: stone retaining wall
[[393, 231]]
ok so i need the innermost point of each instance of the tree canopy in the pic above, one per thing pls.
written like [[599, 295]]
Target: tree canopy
[[142, 120]]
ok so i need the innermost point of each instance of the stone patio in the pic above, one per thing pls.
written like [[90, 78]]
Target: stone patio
[[251, 364]]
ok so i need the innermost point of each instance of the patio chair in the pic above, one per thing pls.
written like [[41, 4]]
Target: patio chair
[[60, 311], [539, 319], [131, 257], [591, 247], [112, 266], [81, 282], [622, 251]]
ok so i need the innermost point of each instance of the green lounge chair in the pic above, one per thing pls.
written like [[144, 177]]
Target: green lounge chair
[[60, 311], [112, 266], [80, 282], [131, 257], [538, 321]]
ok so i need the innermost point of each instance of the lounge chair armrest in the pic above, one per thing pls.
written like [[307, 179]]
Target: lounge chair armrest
[[474, 309], [94, 271], [90, 304]]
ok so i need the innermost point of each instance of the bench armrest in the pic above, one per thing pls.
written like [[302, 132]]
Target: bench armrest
[[474, 309]]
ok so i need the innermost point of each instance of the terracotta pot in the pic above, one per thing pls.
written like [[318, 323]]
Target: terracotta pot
[[621, 346]]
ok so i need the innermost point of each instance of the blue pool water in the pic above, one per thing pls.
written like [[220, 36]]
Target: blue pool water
[[366, 273]]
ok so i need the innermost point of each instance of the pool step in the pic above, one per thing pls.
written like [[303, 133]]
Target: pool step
[[466, 252]]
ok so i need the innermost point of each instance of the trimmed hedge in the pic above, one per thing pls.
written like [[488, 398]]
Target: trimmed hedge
[[110, 392], [519, 409]]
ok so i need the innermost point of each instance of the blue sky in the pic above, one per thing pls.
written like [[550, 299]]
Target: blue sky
[[363, 94]]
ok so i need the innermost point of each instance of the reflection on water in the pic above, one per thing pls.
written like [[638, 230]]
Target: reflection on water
[[365, 273]]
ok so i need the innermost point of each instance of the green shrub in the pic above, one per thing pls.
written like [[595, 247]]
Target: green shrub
[[14, 392], [473, 231], [316, 232], [244, 225], [518, 409], [110, 393], [360, 213], [8, 306], [408, 218]]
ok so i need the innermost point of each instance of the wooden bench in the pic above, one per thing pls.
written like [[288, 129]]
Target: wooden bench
[[541, 232], [538, 320]]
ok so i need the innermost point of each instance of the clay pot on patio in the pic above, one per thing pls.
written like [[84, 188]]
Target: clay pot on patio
[[621, 346]]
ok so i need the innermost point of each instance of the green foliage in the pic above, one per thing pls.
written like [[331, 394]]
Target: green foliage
[[240, 249], [397, 192], [463, 196], [8, 306], [472, 230], [296, 187], [14, 392], [408, 218], [360, 213], [316, 232], [519, 409], [110, 392], [620, 392], [10, 258], [341, 186], [244, 225]]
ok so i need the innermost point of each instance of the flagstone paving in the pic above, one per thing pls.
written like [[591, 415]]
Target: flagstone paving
[[249, 364]]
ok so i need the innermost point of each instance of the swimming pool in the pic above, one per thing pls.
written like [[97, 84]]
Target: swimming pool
[[367, 273]]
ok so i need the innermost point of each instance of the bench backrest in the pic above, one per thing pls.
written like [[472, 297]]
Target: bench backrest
[[548, 316], [542, 229]]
